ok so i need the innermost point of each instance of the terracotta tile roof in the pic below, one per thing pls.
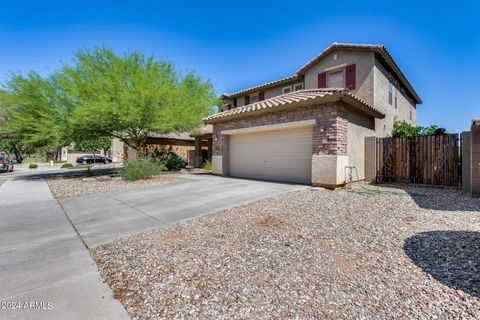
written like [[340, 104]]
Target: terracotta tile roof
[[298, 99], [262, 86], [377, 48]]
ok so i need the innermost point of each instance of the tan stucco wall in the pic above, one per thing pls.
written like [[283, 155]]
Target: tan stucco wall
[[363, 71], [359, 127], [404, 106]]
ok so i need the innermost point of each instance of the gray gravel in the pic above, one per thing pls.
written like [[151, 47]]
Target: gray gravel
[[69, 187], [308, 254]]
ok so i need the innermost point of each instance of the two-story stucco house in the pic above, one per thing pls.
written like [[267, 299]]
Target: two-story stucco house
[[311, 127]]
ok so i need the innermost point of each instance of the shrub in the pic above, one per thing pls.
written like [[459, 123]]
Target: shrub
[[405, 129], [66, 166], [174, 162], [141, 168], [207, 165], [33, 166]]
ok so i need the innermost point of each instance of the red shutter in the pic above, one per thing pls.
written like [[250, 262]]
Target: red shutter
[[261, 96], [247, 100], [350, 77], [322, 80]]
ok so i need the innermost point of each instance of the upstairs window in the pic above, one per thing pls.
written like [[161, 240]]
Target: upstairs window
[[342, 76], [392, 95], [254, 98], [298, 86], [336, 79], [396, 98], [286, 90]]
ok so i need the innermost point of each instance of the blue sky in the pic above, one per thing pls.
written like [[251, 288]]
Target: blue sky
[[240, 44]]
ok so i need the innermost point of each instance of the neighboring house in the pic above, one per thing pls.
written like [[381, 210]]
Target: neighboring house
[[70, 155], [310, 127], [195, 147]]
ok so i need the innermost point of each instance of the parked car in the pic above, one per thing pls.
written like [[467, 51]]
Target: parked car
[[89, 159], [5, 164]]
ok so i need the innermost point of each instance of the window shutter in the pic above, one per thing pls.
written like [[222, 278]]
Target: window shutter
[[350, 77], [247, 100], [261, 96], [322, 80]]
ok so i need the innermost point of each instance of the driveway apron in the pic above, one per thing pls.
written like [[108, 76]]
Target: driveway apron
[[46, 271]]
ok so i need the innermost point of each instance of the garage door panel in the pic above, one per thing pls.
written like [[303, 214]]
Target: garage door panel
[[280, 155]]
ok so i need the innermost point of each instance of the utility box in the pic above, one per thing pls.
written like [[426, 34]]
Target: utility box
[[475, 157]]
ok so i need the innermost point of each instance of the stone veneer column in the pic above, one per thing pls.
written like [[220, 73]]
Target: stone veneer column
[[330, 138], [217, 150]]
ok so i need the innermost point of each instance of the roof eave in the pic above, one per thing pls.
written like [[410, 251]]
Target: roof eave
[[384, 52], [347, 98], [272, 84], [362, 107]]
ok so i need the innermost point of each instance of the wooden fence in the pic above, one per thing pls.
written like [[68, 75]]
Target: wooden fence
[[433, 160]]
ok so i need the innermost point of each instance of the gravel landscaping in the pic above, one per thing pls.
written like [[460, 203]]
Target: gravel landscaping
[[69, 187], [368, 253]]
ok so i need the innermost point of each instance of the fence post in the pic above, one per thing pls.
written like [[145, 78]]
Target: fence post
[[475, 158]]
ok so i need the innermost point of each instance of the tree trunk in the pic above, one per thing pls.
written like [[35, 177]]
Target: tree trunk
[[18, 155]]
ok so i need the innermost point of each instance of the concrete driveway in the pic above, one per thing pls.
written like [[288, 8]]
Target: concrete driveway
[[103, 218]]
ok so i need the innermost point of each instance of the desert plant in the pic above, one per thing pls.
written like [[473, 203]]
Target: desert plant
[[66, 166], [207, 165], [174, 162], [141, 168], [33, 166]]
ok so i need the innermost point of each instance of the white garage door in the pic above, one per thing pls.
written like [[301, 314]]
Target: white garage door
[[276, 155]]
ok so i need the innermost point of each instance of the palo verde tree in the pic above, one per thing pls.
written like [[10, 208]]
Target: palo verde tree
[[30, 116], [128, 96]]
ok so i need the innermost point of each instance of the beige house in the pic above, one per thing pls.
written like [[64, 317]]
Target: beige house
[[310, 127]]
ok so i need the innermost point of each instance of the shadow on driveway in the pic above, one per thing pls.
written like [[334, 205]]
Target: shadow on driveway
[[51, 174], [451, 257]]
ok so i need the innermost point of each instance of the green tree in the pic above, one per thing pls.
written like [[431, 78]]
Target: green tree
[[130, 96], [405, 129], [30, 116]]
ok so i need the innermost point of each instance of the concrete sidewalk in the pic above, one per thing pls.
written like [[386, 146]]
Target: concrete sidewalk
[[44, 262], [105, 217]]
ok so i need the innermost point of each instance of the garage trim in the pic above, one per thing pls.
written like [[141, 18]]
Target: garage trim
[[271, 127]]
